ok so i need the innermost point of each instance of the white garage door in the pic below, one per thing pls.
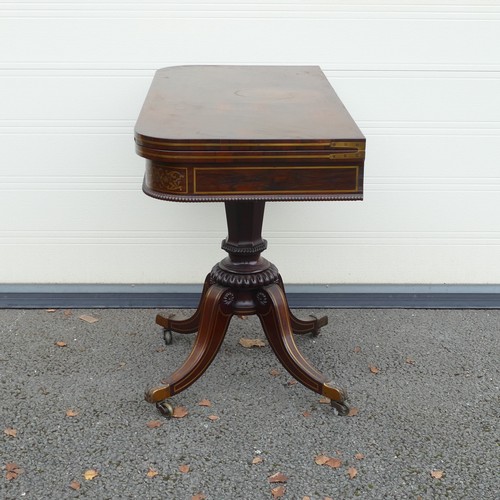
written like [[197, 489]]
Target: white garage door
[[421, 78]]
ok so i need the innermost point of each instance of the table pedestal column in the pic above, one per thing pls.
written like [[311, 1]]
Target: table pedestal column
[[244, 283]]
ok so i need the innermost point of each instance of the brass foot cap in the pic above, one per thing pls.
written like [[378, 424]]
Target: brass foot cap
[[157, 394], [334, 393]]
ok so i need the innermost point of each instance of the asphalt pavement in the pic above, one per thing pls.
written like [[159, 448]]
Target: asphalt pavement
[[423, 389]]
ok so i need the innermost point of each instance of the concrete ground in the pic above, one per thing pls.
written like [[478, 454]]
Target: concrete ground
[[431, 409]]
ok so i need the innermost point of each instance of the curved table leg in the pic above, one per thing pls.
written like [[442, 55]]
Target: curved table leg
[[214, 320], [302, 326], [274, 315], [189, 325]]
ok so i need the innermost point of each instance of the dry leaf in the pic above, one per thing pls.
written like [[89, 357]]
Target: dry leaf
[[180, 412], [292, 382], [306, 414], [410, 361], [437, 474], [352, 412], [205, 402], [257, 460], [306, 498], [151, 472], [334, 463], [199, 496], [71, 413], [274, 372], [68, 313], [248, 343], [352, 472], [12, 471], [87, 318], [10, 432], [357, 349], [278, 492], [75, 485], [90, 474], [374, 369], [184, 469], [213, 418], [277, 478], [50, 310], [153, 424], [324, 401], [321, 459], [60, 344], [359, 456]]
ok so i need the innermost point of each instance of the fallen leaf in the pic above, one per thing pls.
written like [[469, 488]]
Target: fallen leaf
[[184, 469], [306, 498], [292, 382], [60, 344], [87, 318], [352, 472], [151, 472], [205, 402], [71, 413], [90, 474], [68, 313], [10, 432], [321, 459], [213, 418], [324, 401], [160, 349], [374, 369], [277, 478], [12, 471], [334, 463], [410, 361], [278, 492], [437, 474], [153, 424], [306, 414], [180, 412], [199, 496], [328, 498], [248, 343], [357, 349], [359, 456], [257, 460], [50, 310], [75, 485], [274, 372], [352, 412]]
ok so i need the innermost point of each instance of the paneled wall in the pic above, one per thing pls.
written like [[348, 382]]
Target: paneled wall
[[421, 78]]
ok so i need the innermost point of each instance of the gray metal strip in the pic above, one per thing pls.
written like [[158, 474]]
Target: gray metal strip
[[299, 296]]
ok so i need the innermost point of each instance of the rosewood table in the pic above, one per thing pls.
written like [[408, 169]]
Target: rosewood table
[[246, 135]]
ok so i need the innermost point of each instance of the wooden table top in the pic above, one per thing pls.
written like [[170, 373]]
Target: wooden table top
[[214, 133]]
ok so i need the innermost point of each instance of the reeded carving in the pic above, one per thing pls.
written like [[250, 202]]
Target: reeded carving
[[254, 280]]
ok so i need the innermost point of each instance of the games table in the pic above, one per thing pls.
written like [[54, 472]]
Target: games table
[[246, 135]]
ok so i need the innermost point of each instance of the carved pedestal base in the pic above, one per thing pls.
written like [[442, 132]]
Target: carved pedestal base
[[244, 284]]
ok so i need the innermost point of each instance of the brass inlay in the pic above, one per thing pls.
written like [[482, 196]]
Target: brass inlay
[[171, 179], [359, 145], [355, 154], [280, 191]]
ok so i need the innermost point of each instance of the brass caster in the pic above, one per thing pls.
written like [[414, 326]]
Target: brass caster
[[167, 336], [165, 408], [340, 409]]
